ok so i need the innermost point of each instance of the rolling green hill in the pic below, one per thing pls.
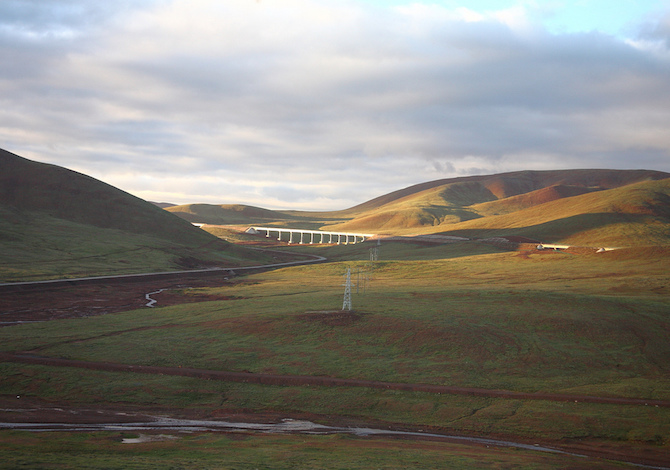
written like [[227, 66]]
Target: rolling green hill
[[55, 222]]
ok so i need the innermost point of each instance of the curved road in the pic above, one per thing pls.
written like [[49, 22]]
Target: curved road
[[14, 286]]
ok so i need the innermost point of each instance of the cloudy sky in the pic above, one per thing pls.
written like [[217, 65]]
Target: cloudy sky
[[323, 104]]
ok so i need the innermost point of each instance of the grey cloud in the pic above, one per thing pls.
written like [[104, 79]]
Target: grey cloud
[[367, 106]]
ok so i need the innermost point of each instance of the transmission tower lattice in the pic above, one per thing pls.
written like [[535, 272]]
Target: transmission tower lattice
[[346, 305]]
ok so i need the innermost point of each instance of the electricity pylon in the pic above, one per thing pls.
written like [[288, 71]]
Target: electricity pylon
[[346, 305]]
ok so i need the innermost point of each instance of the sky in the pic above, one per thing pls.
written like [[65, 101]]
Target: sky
[[325, 104]]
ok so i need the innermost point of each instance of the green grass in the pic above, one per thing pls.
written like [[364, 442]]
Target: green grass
[[57, 223], [459, 338], [105, 450], [44, 247], [596, 325], [461, 314], [532, 419]]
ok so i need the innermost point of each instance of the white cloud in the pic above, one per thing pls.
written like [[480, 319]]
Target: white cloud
[[321, 104]]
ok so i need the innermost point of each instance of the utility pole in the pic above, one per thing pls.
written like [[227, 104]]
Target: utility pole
[[346, 305], [374, 252]]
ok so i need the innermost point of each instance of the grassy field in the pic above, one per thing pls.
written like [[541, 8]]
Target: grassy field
[[243, 451], [464, 315]]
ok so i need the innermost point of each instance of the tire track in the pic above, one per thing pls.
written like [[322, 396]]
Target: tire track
[[302, 380]]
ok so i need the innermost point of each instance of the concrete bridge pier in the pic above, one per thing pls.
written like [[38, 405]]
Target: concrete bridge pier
[[322, 236]]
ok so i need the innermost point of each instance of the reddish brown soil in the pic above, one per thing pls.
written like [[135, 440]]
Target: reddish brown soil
[[91, 300]]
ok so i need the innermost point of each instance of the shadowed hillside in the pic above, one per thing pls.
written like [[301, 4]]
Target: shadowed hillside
[[31, 186], [57, 222]]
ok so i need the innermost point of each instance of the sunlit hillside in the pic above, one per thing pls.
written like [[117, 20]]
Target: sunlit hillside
[[633, 215], [585, 207]]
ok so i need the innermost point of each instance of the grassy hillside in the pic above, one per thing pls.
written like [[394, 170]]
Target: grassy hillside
[[633, 215], [531, 199], [564, 206], [506, 185], [627, 208], [56, 222]]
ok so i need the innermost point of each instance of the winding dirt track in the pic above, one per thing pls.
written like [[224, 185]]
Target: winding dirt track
[[302, 380]]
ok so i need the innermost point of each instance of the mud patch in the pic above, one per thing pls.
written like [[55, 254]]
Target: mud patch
[[91, 300]]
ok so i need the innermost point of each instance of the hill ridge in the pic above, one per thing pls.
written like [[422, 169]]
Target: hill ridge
[[503, 185]]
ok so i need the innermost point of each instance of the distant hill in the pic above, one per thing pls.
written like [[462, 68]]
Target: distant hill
[[588, 207], [51, 216], [225, 214], [632, 215], [576, 206], [504, 185], [163, 205]]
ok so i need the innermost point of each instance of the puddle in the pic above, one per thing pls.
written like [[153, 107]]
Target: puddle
[[287, 426]]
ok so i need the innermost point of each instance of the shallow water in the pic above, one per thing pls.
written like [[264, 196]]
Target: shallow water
[[152, 302], [285, 426]]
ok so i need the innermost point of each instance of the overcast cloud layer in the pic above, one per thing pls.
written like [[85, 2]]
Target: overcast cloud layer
[[313, 104]]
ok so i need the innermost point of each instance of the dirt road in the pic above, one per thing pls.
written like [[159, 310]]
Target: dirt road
[[301, 380]]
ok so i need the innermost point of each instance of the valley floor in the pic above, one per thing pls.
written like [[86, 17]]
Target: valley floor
[[84, 301]]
